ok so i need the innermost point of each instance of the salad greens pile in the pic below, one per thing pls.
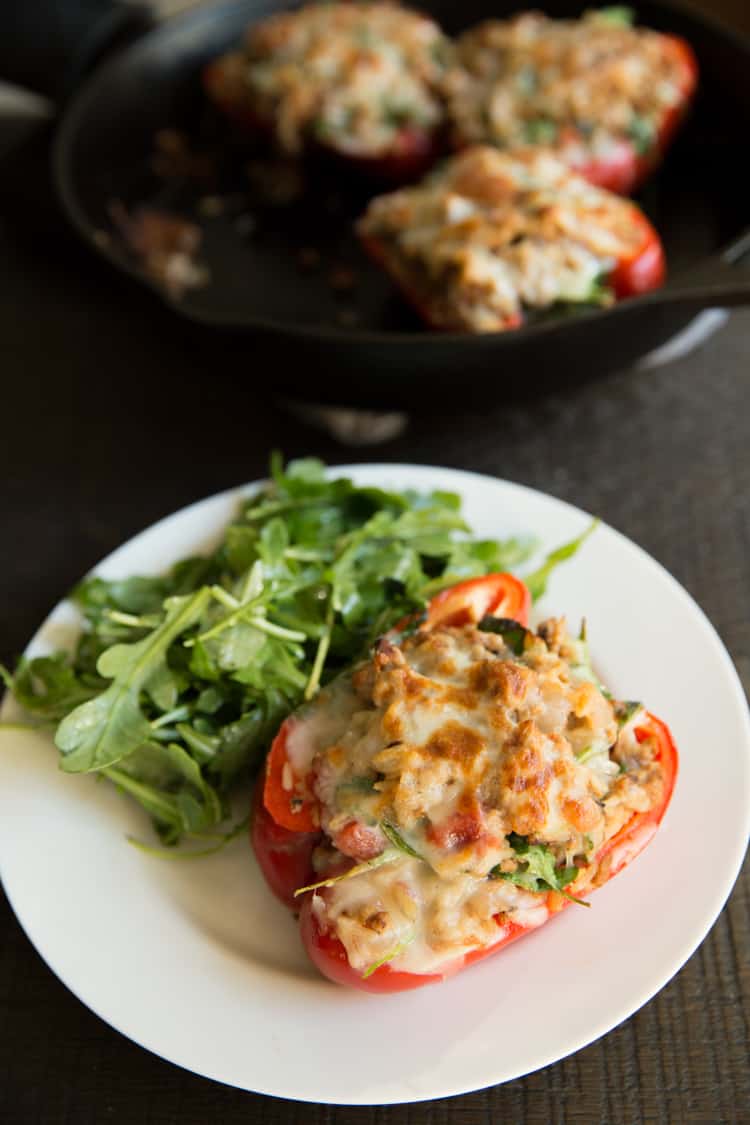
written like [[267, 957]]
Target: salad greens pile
[[179, 682]]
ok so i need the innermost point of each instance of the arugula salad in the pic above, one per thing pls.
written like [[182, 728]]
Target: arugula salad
[[178, 683]]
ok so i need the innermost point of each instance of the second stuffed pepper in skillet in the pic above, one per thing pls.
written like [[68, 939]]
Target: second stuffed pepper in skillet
[[492, 239], [606, 96], [360, 81]]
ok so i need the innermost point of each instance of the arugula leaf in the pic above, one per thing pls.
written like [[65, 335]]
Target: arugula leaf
[[537, 870], [625, 710], [397, 839], [46, 686], [513, 633], [168, 782], [642, 133], [389, 956], [539, 131], [618, 15], [112, 725], [538, 579], [388, 856]]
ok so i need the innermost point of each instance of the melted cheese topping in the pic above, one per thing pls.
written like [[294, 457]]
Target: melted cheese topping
[[445, 747], [583, 86], [492, 232], [351, 76]]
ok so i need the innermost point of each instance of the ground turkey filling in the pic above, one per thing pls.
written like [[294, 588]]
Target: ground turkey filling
[[493, 233], [350, 76], [444, 757], [583, 86]]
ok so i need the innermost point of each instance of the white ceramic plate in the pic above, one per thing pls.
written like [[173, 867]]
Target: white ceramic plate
[[196, 962]]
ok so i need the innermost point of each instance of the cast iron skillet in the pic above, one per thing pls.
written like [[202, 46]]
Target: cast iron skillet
[[291, 328]]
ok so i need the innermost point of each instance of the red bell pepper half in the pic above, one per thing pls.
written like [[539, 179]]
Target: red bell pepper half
[[285, 829], [641, 271], [413, 151]]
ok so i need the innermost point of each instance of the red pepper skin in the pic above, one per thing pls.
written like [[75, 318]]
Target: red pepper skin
[[501, 595], [645, 269], [284, 856], [329, 955], [276, 795], [412, 153]]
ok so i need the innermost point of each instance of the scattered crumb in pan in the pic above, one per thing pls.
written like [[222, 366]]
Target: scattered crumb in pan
[[102, 238], [174, 157], [308, 258], [211, 206], [276, 182], [342, 278], [246, 224], [165, 244]]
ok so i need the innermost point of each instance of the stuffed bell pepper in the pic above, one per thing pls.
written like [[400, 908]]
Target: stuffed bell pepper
[[360, 81], [455, 791], [606, 96], [492, 240]]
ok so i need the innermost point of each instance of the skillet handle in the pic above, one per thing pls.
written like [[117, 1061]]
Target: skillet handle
[[719, 282], [48, 46]]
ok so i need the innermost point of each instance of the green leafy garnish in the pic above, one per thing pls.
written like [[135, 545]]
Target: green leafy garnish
[[581, 664], [537, 870], [618, 15], [642, 133], [388, 856], [625, 710], [46, 686], [598, 294], [397, 840], [539, 131], [113, 725], [537, 581], [513, 633], [389, 956], [527, 80], [590, 752]]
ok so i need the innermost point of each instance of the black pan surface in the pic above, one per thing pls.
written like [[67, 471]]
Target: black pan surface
[[291, 295]]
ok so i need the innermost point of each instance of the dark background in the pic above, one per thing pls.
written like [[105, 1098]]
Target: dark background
[[113, 415]]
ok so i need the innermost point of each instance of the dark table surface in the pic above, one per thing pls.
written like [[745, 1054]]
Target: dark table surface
[[113, 418]]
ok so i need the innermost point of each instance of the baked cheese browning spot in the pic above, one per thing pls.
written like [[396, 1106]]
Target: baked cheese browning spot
[[506, 681], [582, 87], [490, 234], [459, 744], [350, 76], [458, 747]]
